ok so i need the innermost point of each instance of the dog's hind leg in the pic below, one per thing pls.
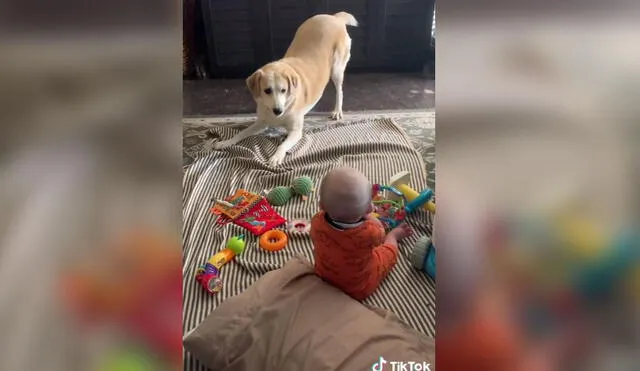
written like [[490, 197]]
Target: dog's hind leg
[[340, 59]]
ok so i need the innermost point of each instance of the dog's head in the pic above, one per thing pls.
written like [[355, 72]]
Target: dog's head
[[274, 86]]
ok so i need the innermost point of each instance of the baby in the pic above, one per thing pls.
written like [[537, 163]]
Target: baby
[[350, 247]]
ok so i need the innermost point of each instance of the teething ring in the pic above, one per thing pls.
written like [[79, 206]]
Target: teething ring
[[299, 226], [273, 240]]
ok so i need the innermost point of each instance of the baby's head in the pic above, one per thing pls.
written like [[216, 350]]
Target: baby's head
[[345, 195]]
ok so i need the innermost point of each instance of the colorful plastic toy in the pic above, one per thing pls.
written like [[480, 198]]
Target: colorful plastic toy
[[209, 277], [390, 212], [273, 240], [299, 226], [208, 274], [414, 199]]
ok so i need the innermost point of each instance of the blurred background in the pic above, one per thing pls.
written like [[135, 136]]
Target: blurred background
[[538, 186], [538, 173], [90, 189]]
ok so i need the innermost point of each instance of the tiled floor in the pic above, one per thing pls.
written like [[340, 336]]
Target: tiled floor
[[362, 92]]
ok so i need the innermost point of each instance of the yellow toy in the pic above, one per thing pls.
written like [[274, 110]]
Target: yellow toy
[[401, 182]]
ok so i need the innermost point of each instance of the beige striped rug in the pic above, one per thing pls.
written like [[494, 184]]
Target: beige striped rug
[[377, 147]]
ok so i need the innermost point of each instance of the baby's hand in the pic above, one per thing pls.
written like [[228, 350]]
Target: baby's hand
[[402, 231]]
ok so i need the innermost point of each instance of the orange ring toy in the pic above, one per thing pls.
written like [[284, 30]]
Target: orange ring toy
[[273, 240]]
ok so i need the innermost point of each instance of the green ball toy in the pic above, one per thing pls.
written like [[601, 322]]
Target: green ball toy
[[279, 195], [236, 244], [303, 186]]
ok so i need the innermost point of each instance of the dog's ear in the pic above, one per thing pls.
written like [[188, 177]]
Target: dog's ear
[[292, 80], [253, 83]]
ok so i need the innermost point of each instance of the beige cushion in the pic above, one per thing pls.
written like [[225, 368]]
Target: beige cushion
[[290, 320]]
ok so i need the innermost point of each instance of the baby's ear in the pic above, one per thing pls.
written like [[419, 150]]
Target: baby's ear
[[370, 208]]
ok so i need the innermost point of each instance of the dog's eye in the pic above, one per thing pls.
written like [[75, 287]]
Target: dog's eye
[[267, 91], [283, 91]]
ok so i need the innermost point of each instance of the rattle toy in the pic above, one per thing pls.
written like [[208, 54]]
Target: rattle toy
[[208, 274], [273, 240], [235, 246], [280, 195], [209, 277], [298, 226], [423, 256], [414, 199]]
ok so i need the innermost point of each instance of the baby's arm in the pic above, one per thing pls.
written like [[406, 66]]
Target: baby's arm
[[386, 255]]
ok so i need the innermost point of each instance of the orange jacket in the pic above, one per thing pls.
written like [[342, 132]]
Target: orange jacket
[[355, 260]]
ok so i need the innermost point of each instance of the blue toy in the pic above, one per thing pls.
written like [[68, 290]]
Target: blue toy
[[423, 256]]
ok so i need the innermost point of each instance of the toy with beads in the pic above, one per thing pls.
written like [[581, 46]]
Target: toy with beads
[[390, 212], [208, 274], [414, 199]]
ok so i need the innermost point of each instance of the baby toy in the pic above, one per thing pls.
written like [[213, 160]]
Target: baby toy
[[260, 218], [208, 275], [302, 186], [414, 199], [280, 195], [247, 210], [234, 206], [273, 240], [390, 212], [423, 256], [299, 226], [391, 205]]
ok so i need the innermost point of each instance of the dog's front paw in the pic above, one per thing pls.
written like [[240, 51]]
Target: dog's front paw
[[277, 159], [223, 144], [336, 115]]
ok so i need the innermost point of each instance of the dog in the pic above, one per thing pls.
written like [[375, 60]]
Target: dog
[[287, 89]]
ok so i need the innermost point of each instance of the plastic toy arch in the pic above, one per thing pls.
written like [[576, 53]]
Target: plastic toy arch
[[391, 213]]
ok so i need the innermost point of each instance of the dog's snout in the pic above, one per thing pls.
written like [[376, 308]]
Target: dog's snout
[[277, 111]]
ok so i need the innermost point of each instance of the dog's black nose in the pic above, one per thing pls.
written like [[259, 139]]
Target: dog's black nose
[[277, 111]]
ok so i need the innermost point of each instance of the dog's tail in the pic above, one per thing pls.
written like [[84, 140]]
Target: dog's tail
[[347, 18]]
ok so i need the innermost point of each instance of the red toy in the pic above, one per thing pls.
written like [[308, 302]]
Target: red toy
[[260, 218]]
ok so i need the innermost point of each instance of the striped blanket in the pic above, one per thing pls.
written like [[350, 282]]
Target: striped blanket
[[378, 148]]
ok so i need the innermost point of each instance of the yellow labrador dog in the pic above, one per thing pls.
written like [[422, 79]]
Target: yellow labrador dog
[[287, 89]]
